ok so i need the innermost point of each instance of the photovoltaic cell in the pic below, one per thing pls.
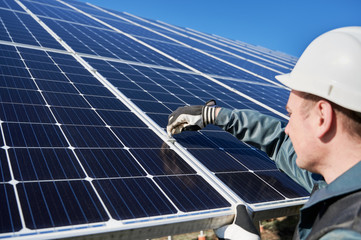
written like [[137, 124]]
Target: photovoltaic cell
[[41, 201], [162, 161], [44, 164], [121, 119], [9, 217], [33, 135], [217, 160], [25, 113], [138, 137], [4, 167], [133, 198], [258, 186], [91, 137], [107, 163], [190, 193]]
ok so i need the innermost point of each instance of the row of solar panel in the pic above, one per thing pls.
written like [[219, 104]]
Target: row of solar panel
[[74, 154], [38, 150], [55, 9], [122, 48], [77, 119]]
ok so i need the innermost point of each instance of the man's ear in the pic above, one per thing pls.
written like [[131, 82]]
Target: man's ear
[[325, 117]]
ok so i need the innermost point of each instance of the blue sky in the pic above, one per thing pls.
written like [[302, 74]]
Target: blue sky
[[284, 25]]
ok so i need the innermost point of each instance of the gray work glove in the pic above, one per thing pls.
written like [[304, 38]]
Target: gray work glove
[[241, 228], [191, 118]]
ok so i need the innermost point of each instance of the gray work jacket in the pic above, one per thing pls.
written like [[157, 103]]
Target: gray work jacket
[[267, 133]]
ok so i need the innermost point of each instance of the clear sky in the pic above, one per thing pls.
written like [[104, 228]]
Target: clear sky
[[284, 25]]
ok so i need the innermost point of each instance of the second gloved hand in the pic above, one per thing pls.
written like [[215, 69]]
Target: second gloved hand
[[191, 118]]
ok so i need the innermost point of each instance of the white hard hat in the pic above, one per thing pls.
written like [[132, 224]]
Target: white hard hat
[[330, 67]]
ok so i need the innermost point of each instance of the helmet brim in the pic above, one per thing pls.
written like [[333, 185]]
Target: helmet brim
[[285, 79]]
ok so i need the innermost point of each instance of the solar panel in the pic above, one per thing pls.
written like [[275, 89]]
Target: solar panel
[[85, 94]]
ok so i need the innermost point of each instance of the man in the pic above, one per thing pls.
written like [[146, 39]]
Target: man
[[324, 130]]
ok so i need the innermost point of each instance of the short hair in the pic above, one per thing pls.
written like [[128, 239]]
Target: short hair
[[351, 119]]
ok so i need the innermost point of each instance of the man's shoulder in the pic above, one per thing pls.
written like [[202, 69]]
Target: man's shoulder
[[339, 216]]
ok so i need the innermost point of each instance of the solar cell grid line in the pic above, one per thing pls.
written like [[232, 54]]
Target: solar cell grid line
[[131, 53], [270, 95], [156, 83], [194, 141], [115, 83], [166, 183], [122, 84], [14, 135], [231, 156], [15, 143], [122, 23], [193, 91], [47, 2], [210, 66], [219, 202], [93, 11], [231, 45], [273, 54], [22, 27], [132, 29], [138, 43], [208, 45], [29, 187], [189, 67], [59, 12], [197, 50], [245, 47], [88, 40], [10, 4]]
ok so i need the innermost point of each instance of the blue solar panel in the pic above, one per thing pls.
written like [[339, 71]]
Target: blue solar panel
[[83, 146], [22, 28], [9, 4]]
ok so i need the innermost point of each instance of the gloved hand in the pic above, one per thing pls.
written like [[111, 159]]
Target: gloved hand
[[191, 118], [241, 228]]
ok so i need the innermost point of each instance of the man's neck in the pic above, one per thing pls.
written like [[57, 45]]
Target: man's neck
[[342, 155]]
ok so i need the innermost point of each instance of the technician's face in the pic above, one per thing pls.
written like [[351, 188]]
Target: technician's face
[[300, 131]]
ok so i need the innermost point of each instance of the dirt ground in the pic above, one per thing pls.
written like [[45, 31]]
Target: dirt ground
[[273, 229]]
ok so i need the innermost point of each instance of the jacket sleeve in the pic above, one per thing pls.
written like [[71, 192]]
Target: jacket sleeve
[[341, 234], [267, 134]]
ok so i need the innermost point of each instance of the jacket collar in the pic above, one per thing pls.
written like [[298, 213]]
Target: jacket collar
[[346, 183]]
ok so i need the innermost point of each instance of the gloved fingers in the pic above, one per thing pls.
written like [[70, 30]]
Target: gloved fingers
[[172, 117], [172, 130], [188, 118], [176, 122], [187, 110], [176, 127]]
